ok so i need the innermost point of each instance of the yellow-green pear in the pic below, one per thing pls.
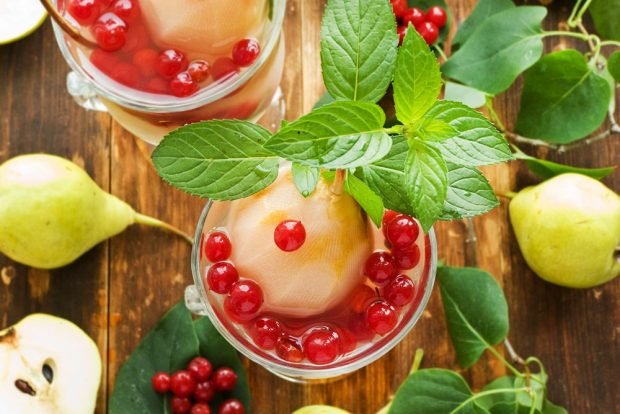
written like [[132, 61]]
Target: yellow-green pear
[[320, 409], [52, 212], [568, 229], [48, 366]]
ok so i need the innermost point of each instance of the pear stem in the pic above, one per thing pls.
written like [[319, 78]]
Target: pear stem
[[153, 222], [66, 26], [338, 184]]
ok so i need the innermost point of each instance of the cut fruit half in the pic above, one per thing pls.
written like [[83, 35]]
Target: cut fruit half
[[19, 18]]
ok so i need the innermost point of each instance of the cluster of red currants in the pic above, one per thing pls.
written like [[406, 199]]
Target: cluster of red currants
[[427, 24], [127, 54], [195, 387]]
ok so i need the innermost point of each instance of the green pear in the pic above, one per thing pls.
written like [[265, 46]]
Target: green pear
[[52, 212], [320, 409], [568, 229]]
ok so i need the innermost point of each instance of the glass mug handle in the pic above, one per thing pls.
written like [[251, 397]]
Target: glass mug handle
[[84, 93], [193, 301]]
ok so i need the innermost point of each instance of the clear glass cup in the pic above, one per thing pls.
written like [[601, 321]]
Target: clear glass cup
[[201, 301], [247, 94]]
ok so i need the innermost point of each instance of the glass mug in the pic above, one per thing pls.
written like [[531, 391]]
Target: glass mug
[[137, 96], [201, 301]]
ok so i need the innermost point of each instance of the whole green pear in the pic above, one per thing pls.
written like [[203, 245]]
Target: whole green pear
[[568, 229], [52, 212]]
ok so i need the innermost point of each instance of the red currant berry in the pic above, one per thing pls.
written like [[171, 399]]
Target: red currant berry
[[157, 85], [414, 15], [265, 332], [104, 61], [127, 10], [407, 258], [180, 405], [200, 408], [429, 32], [289, 235], [289, 349], [348, 341], [357, 324], [231, 406], [205, 391], [381, 317], [137, 38], [361, 297], [199, 69], [399, 7], [170, 63], [183, 85], [221, 277], [146, 61], [388, 216], [402, 31], [200, 368], [218, 247], [224, 379], [127, 74], [161, 382], [84, 11], [245, 299], [380, 267], [400, 291], [437, 15], [245, 52], [224, 68], [402, 231], [110, 32], [322, 346], [182, 384]]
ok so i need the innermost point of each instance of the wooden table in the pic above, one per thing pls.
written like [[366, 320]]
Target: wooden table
[[118, 291]]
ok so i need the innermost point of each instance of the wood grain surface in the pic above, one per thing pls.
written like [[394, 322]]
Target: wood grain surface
[[118, 291]]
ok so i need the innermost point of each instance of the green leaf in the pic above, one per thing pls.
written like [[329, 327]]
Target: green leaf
[[547, 169], [551, 408], [325, 99], [606, 15], [563, 99], [465, 95], [476, 311], [221, 160], [483, 10], [358, 48], [342, 134], [538, 386], [426, 179], [514, 408], [469, 193], [433, 129], [478, 141], [434, 391], [365, 197], [417, 80], [613, 65], [305, 178], [505, 382], [502, 47]]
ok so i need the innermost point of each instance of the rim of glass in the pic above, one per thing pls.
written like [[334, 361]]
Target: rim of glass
[[203, 97], [315, 373]]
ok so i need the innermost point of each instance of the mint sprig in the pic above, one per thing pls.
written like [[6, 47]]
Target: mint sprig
[[424, 165]]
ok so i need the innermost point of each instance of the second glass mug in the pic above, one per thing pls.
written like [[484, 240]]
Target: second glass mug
[[245, 94]]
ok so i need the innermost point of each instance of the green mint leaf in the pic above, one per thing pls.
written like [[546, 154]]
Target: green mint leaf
[[434, 391], [502, 47], [606, 15], [221, 160], [547, 169], [613, 65], [426, 180], [426, 4], [343, 134], [365, 197], [563, 99], [478, 141], [417, 79], [386, 177], [476, 311], [358, 48], [464, 94], [305, 178], [551, 408], [433, 129], [469, 193], [483, 10]]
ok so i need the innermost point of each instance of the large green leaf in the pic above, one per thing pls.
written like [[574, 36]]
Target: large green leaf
[[434, 391], [563, 99], [547, 169], [365, 197], [613, 65], [500, 49], [342, 134], [221, 160], [476, 311], [358, 48], [417, 80], [483, 10], [469, 193], [464, 94], [606, 15]]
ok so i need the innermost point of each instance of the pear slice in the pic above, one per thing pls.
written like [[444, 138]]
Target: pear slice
[[48, 366]]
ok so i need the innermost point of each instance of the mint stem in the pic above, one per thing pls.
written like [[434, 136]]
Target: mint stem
[[337, 186]]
